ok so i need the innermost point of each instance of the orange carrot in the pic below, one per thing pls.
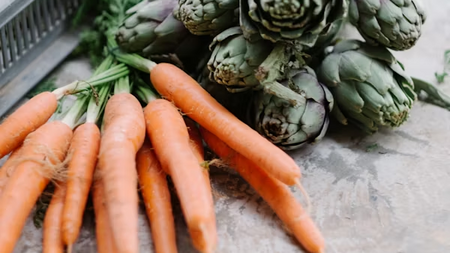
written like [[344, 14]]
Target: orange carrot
[[83, 150], [197, 148], [170, 140], [41, 153], [25, 120], [52, 239], [177, 86], [123, 136], [8, 168], [105, 240], [155, 191], [277, 195]]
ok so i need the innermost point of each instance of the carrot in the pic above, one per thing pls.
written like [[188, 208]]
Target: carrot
[[52, 239], [277, 195], [197, 148], [25, 120], [8, 168], [123, 136], [170, 140], [105, 241], [41, 156], [42, 151], [40, 108], [155, 191], [177, 86], [83, 150]]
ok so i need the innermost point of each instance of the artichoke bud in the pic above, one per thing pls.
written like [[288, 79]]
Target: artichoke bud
[[302, 21], [291, 127], [208, 17], [392, 23], [151, 28], [235, 59], [369, 85]]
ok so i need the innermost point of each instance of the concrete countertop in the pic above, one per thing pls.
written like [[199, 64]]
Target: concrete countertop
[[393, 197]]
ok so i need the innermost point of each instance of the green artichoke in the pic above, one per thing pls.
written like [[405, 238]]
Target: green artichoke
[[291, 127], [288, 20], [369, 85], [396, 24], [208, 17], [235, 59], [152, 28]]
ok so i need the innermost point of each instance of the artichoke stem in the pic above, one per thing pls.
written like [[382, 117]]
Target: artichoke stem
[[435, 96], [272, 67], [277, 89]]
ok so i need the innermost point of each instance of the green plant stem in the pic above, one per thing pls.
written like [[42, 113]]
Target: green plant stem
[[97, 104], [272, 69], [277, 89], [106, 64], [146, 94], [105, 77], [76, 111], [122, 85], [134, 60], [435, 95]]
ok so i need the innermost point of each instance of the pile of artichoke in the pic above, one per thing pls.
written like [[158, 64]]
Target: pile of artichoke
[[281, 66]]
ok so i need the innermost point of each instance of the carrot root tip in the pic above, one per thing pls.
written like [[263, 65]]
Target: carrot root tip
[[305, 195], [69, 248]]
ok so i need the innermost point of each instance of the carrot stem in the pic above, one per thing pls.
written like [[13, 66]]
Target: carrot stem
[[97, 104], [134, 60], [109, 75], [76, 111], [122, 85], [146, 94]]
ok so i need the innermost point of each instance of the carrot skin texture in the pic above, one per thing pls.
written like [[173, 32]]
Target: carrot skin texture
[[156, 195], [52, 236], [123, 136], [28, 182], [25, 120], [197, 148], [177, 86], [103, 233], [8, 168], [277, 195], [170, 140], [84, 150]]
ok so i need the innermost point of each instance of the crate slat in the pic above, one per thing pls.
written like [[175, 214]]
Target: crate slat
[[27, 28]]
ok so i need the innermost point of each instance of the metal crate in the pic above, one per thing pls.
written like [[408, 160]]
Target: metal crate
[[34, 38]]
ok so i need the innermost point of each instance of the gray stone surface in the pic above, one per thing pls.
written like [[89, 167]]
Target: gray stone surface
[[392, 197]]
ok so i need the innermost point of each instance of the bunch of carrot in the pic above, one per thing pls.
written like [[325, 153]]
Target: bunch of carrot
[[135, 149]]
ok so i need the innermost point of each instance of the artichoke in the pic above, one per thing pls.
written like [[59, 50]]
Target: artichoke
[[288, 20], [291, 127], [235, 59], [396, 24], [369, 85], [208, 17], [152, 28]]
